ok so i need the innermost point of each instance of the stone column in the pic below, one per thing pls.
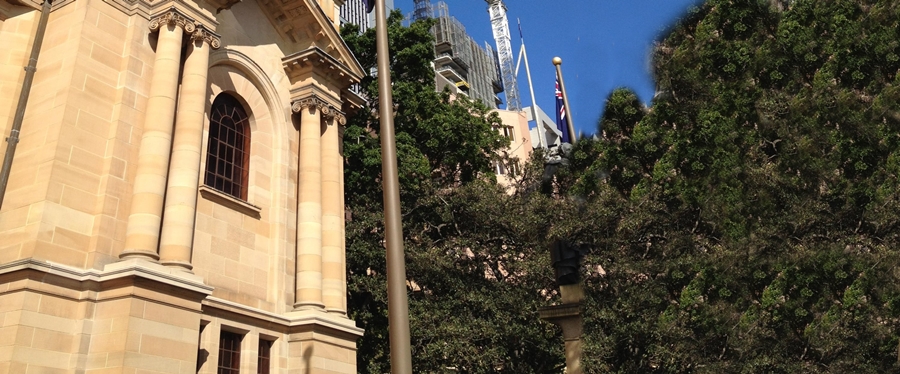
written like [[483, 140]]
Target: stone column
[[343, 222], [177, 235], [567, 315], [332, 216], [142, 232], [309, 206]]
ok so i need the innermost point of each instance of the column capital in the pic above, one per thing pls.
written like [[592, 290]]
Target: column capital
[[339, 117], [309, 102], [203, 34], [328, 110], [173, 17]]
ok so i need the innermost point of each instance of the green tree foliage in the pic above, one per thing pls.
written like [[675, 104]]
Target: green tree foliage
[[758, 209], [747, 222], [474, 278]]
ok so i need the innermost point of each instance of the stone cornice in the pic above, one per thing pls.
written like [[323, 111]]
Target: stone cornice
[[151, 9], [352, 101], [114, 271], [288, 320], [34, 4], [305, 24], [314, 59], [221, 5]]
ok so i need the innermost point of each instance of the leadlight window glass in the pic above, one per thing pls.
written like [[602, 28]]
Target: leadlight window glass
[[229, 353], [263, 360], [228, 150]]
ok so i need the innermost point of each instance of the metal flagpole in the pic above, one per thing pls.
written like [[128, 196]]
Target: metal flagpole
[[562, 87], [398, 305]]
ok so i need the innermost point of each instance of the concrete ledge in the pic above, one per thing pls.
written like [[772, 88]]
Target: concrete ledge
[[554, 312], [291, 319], [230, 202], [130, 268]]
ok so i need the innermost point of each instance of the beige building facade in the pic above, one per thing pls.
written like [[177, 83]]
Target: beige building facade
[[176, 198], [514, 127]]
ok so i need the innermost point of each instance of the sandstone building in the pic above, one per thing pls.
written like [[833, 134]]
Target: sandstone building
[[176, 199]]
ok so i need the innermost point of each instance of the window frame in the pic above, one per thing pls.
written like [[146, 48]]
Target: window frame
[[264, 357], [221, 153], [233, 351]]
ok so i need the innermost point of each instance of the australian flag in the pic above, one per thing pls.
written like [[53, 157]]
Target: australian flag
[[561, 124], [370, 4]]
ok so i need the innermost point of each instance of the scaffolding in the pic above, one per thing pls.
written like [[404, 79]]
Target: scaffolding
[[421, 9], [450, 37], [458, 58], [482, 75]]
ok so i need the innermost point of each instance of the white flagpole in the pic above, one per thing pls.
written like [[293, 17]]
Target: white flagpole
[[541, 137]]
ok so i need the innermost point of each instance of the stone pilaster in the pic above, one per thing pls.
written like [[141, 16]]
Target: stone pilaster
[[177, 235], [309, 204], [142, 233]]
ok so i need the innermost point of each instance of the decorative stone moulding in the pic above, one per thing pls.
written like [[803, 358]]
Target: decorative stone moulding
[[211, 38], [316, 59], [328, 111], [196, 29], [149, 9], [34, 4], [175, 17], [308, 102], [338, 116], [288, 16], [221, 5]]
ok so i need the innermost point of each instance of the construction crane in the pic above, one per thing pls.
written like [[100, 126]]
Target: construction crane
[[505, 56]]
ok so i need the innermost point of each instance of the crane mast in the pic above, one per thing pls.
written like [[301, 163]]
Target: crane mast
[[500, 26]]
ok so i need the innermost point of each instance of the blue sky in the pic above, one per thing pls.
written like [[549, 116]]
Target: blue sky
[[604, 44]]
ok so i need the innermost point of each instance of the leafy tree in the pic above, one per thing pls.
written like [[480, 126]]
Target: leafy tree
[[748, 221], [759, 213], [474, 287]]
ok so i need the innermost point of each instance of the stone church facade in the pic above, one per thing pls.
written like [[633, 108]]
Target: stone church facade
[[176, 198]]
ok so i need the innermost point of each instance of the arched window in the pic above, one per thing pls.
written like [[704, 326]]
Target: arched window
[[228, 151]]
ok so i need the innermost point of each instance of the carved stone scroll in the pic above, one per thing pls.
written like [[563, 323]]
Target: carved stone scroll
[[340, 118], [211, 38], [330, 112], [309, 102], [173, 17]]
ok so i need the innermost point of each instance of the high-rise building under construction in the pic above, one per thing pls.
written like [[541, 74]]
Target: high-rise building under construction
[[354, 11], [460, 63]]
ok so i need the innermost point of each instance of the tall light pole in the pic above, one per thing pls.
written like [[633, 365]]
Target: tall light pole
[[398, 305], [562, 87]]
